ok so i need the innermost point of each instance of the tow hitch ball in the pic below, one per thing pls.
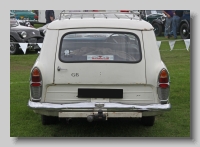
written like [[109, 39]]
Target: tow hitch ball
[[98, 116]]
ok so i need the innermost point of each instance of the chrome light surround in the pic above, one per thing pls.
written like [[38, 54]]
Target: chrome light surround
[[44, 31], [23, 34], [163, 18]]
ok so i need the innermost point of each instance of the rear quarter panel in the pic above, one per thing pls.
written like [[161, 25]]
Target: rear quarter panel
[[154, 64], [46, 59]]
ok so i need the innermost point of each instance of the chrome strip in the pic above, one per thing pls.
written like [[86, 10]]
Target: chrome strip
[[91, 105]]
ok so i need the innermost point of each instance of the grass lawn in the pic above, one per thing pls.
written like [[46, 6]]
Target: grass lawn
[[175, 123], [38, 25]]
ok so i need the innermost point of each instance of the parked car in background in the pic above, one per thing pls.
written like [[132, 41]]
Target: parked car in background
[[25, 23], [184, 27], [25, 15], [43, 29], [12, 15], [97, 67], [156, 18], [35, 11], [23, 34]]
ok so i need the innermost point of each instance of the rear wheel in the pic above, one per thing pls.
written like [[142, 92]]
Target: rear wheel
[[48, 120], [157, 29], [14, 48], [37, 50], [148, 120]]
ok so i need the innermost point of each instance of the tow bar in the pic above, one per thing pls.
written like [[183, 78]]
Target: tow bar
[[98, 116]]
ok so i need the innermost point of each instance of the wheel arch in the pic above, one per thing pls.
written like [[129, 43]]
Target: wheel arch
[[15, 36], [182, 22], [157, 21], [160, 25]]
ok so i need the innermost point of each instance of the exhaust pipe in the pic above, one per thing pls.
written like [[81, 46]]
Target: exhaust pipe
[[68, 120]]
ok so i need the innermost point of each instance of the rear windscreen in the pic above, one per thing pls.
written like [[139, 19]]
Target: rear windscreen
[[100, 47]]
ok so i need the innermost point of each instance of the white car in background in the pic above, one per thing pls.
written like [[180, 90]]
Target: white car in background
[[99, 66]]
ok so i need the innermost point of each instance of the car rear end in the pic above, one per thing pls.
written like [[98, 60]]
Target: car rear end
[[99, 73], [26, 15]]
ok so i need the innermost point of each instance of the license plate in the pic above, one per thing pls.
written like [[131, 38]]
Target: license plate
[[100, 93]]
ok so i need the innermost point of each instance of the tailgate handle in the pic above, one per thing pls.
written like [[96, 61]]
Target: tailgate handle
[[59, 69]]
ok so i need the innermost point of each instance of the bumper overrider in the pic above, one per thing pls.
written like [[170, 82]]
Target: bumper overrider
[[87, 109]]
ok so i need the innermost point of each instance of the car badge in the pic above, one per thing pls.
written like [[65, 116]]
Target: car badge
[[33, 33], [99, 105]]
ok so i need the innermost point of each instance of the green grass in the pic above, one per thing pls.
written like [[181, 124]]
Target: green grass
[[175, 123], [38, 25]]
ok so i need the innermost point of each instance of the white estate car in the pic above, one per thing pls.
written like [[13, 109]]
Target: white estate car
[[99, 66]]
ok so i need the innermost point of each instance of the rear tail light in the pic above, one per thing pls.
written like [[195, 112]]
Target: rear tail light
[[163, 86], [36, 17], [36, 84], [95, 10], [124, 10]]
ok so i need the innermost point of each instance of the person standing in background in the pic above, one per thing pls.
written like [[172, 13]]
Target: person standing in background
[[175, 22], [169, 14], [49, 15]]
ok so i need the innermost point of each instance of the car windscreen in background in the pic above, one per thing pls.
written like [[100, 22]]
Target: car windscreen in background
[[100, 47]]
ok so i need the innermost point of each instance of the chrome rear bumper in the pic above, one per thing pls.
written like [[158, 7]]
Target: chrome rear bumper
[[95, 105]]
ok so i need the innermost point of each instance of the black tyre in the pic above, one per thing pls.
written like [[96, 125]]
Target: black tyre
[[14, 48], [48, 120], [37, 50], [184, 31], [32, 24], [157, 29], [148, 120]]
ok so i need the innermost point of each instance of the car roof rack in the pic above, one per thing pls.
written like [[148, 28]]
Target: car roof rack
[[126, 15]]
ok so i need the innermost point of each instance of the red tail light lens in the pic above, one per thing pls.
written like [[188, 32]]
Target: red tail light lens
[[36, 84], [163, 77], [36, 77], [163, 86], [36, 17], [124, 10]]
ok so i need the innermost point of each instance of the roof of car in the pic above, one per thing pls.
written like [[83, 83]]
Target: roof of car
[[119, 21]]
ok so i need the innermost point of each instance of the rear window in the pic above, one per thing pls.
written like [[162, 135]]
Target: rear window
[[100, 47]]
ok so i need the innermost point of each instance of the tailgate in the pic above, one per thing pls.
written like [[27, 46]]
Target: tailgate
[[100, 58], [89, 68]]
